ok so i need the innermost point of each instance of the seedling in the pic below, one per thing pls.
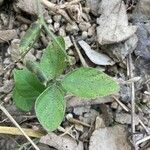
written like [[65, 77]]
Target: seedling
[[39, 84]]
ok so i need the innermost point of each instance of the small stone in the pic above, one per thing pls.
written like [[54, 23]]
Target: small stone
[[8, 86], [49, 21], [39, 54], [6, 35], [125, 118], [91, 30], [90, 117], [5, 19], [70, 52], [72, 60], [99, 123], [62, 31], [110, 138], [7, 98], [24, 27], [6, 61], [68, 42], [145, 98], [57, 18], [84, 26], [56, 26], [114, 105], [84, 35], [80, 110], [72, 28]]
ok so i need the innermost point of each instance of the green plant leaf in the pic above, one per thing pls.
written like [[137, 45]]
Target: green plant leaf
[[30, 37], [53, 60], [89, 83], [27, 89], [50, 108]]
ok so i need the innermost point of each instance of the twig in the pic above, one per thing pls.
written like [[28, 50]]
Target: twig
[[18, 126], [16, 131], [56, 9], [121, 104], [79, 53], [128, 110], [143, 140], [130, 66]]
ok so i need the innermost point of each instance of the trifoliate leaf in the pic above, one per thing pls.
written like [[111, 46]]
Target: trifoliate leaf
[[50, 108], [27, 89], [89, 83]]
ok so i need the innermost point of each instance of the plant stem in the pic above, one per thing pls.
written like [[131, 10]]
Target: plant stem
[[48, 31]]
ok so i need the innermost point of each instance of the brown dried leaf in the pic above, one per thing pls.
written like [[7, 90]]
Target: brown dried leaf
[[113, 23]]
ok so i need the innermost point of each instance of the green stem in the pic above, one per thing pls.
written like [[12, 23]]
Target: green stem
[[49, 32]]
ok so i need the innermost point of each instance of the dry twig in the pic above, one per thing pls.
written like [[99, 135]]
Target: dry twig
[[79, 53], [16, 131], [59, 8], [130, 71], [18, 126]]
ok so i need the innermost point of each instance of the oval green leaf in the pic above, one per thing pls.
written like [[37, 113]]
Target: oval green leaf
[[89, 83], [27, 89], [50, 108], [53, 62], [30, 37]]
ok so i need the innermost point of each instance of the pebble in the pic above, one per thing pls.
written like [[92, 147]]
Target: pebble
[[114, 105], [84, 26], [62, 31], [72, 28], [72, 60], [23, 27], [70, 52], [91, 30], [38, 54], [125, 118], [56, 26], [57, 18], [68, 42], [99, 123], [8, 86], [84, 35]]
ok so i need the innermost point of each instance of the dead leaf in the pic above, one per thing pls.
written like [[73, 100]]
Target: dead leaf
[[113, 23], [61, 142], [95, 57], [112, 138]]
